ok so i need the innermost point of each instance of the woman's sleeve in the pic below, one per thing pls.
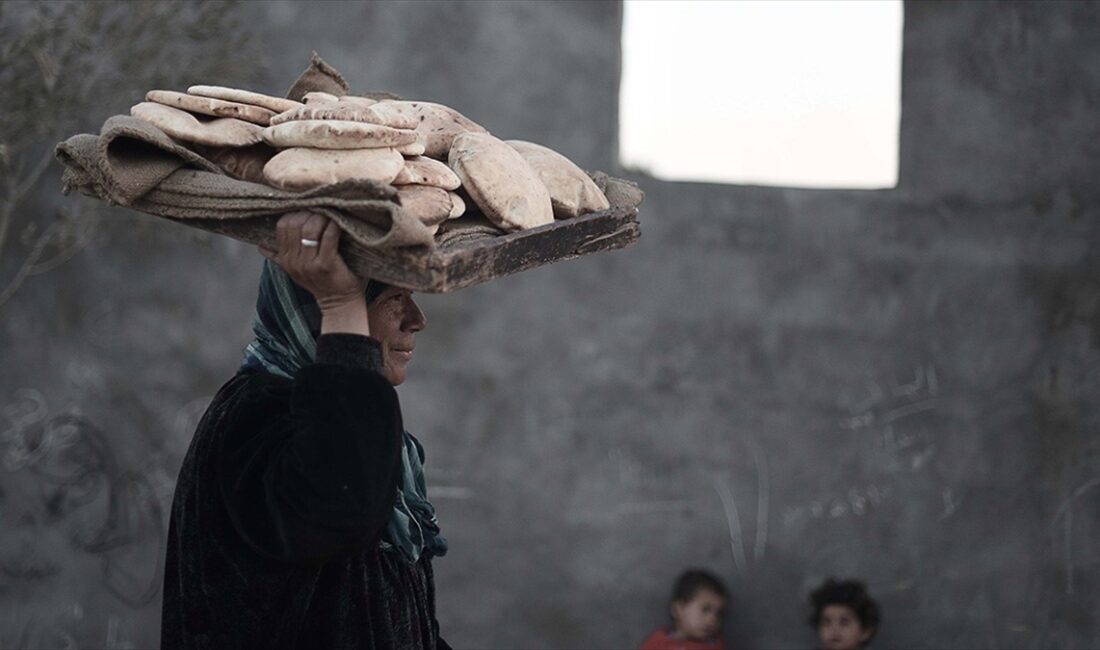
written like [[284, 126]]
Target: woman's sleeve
[[317, 481]]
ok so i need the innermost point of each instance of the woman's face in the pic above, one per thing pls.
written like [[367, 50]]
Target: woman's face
[[840, 629], [394, 321]]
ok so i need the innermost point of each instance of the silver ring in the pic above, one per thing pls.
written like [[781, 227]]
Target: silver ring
[[310, 243]]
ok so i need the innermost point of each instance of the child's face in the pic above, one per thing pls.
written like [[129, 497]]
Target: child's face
[[701, 617], [840, 629]]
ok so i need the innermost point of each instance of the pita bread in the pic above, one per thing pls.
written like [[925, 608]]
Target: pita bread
[[329, 111], [421, 170], [439, 124], [181, 125], [500, 182], [572, 192], [335, 134], [356, 100], [275, 104], [391, 116], [209, 106], [318, 97], [349, 111], [299, 169], [414, 149], [431, 205], [458, 206]]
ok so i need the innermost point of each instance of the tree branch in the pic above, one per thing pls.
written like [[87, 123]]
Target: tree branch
[[72, 235], [16, 193], [28, 264], [33, 177]]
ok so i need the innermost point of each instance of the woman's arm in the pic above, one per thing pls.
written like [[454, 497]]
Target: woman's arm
[[309, 472], [321, 479]]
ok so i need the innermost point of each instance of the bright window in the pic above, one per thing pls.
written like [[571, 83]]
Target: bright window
[[786, 93]]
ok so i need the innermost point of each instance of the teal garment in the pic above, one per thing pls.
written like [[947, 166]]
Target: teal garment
[[285, 327]]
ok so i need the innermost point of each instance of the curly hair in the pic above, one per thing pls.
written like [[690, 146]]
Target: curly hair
[[850, 593], [692, 581]]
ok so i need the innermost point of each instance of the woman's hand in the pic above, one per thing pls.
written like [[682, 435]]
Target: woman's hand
[[307, 249]]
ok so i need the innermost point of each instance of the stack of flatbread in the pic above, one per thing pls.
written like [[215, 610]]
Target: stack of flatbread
[[432, 154]]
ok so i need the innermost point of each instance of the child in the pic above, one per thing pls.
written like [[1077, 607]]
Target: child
[[845, 617], [698, 603]]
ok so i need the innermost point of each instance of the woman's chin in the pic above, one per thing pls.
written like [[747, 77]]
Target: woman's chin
[[395, 373]]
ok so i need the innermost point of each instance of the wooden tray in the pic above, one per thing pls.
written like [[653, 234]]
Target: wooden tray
[[477, 258], [466, 264]]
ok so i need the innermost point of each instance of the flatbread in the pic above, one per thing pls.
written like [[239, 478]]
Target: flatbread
[[335, 134], [210, 106], [500, 182], [431, 205], [416, 148], [392, 116], [439, 124], [330, 111], [300, 169], [572, 192], [318, 97], [458, 206], [348, 111], [357, 100], [181, 125], [421, 170], [276, 104]]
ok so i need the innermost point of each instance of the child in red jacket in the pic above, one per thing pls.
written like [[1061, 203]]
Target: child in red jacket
[[698, 604]]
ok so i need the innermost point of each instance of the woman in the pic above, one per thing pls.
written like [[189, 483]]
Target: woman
[[300, 518]]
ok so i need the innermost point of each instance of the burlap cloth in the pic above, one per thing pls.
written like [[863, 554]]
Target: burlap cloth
[[134, 164]]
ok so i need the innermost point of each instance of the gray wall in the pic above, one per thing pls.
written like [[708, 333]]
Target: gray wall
[[777, 384]]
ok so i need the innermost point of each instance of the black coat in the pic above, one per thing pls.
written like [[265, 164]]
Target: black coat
[[287, 485]]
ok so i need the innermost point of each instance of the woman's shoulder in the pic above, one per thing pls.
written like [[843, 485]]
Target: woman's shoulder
[[252, 386], [248, 397]]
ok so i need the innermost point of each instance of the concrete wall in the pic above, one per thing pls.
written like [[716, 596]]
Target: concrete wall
[[776, 384]]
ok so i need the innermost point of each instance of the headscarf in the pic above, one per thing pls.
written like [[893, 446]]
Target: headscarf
[[286, 327]]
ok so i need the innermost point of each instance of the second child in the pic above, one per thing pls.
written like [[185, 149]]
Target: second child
[[844, 614], [697, 608]]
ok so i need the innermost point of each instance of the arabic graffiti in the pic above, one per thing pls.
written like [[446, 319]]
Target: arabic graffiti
[[110, 511], [885, 408]]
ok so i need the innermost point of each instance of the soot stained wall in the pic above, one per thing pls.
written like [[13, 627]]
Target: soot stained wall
[[777, 384]]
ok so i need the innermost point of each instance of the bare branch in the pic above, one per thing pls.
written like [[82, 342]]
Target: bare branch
[[18, 190], [32, 178], [71, 235], [65, 66], [25, 268]]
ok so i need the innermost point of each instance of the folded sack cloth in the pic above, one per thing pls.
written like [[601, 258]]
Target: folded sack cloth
[[134, 164]]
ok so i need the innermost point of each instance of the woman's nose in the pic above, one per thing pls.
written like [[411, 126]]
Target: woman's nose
[[415, 320]]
